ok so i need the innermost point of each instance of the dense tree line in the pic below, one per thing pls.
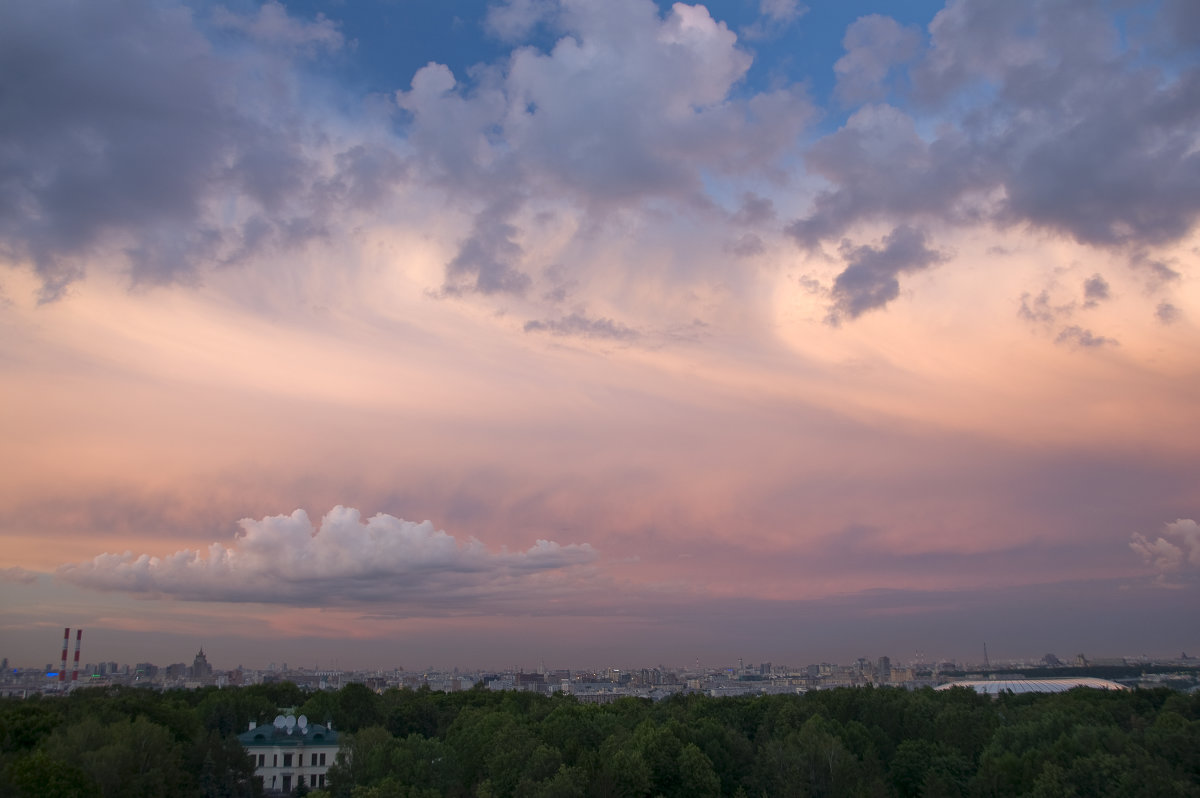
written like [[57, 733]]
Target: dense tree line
[[420, 744]]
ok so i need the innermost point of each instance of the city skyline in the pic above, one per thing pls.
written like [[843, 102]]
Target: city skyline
[[560, 330], [68, 670]]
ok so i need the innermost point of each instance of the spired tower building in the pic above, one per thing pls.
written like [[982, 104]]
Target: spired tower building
[[200, 667]]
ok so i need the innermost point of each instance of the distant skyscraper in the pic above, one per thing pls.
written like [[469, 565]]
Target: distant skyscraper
[[200, 667]]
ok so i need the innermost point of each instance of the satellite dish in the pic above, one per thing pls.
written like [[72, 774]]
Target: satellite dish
[[302, 722], [291, 723], [280, 722]]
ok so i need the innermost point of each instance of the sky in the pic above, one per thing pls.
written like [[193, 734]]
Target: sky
[[487, 334]]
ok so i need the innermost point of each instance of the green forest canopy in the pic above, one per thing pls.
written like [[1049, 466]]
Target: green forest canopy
[[118, 742]]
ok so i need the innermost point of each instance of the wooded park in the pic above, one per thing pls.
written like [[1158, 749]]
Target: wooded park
[[879, 742]]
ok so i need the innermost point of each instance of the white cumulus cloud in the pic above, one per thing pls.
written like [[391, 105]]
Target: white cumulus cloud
[[1176, 548], [286, 559]]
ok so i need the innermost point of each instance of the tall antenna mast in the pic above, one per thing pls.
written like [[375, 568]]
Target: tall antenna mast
[[986, 663]]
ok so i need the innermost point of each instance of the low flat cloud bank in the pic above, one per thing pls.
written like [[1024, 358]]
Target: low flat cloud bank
[[285, 559]]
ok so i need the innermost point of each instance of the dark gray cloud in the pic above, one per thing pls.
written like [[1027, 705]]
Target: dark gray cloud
[[125, 131], [113, 122], [1040, 310], [488, 259], [562, 284], [879, 167], [366, 176], [1157, 271], [870, 279], [1048, 119], [754, 210], [747, 246], [1167, 313], [579, 325], [1095, 291], [1179, 25], [1077, 336]]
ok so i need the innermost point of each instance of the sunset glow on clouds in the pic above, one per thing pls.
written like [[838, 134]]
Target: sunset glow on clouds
[[672, 330]]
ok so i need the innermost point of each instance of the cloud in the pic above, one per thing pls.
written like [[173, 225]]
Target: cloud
[[286, 560], [782, 10], [18, 575], [1040, 310], [130, 137], [211, 144], [1179, 25], [1095, 291], [1077, 336], [1178, 548], [630, 106], [513, 20], [870, 280], [580, 325], [273, 26], [487, 259], [1038, 114], [1167, 313], [1158, 272], [880, 168], [775, 16], [875, 46], [625, 104], [754, 210], [747, 246]]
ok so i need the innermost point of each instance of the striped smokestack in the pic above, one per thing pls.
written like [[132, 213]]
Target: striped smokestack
[[75, 673], [62, 672]]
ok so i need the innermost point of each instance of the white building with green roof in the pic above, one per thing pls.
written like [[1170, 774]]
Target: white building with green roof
[[291, 752]]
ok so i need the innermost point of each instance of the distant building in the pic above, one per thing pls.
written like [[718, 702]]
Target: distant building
[[997, 686], [290, 753], [200, 668]]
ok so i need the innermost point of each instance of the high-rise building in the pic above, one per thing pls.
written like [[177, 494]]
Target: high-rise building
[[200, 667]]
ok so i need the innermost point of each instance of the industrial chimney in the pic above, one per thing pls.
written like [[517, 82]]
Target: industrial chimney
[[62, 672], [75, 673]]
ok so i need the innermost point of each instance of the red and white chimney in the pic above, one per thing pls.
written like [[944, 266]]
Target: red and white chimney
[[62, 672], [75, 673]]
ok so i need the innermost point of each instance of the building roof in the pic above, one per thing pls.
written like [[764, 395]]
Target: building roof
[[994, 687], [282, 734]]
